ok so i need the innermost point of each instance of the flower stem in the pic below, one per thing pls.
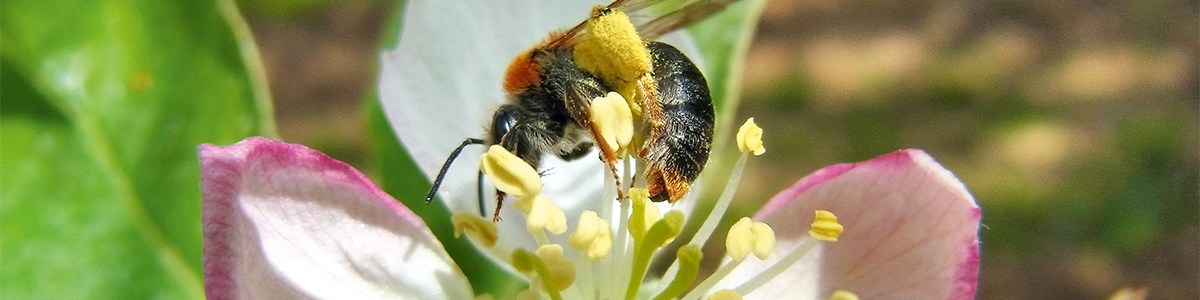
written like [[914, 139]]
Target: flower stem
[[718, 211], [712, 280], [774, 270], [715, 215]]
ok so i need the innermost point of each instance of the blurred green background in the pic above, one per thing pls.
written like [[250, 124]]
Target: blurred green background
[[1074, 123]]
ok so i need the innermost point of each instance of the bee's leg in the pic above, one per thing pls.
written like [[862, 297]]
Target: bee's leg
[[526, 142], [609, 156], [577, 95], [499, 203], [652, 147]]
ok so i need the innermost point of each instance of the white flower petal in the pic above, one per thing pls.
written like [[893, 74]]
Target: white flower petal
[[911, 232], [443, 82], [282, 221]]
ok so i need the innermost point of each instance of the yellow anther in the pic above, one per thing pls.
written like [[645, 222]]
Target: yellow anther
[[544, 215], [738, 241], [764, 239], [614, 121], [747, 236], [478, 229], [510, 173], [562, 270], [825, 226], [749, 138], [725, 295], [593, 236], [843, 295]]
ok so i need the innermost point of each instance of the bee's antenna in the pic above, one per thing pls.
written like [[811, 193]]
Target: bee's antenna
[[437, 182], [479, 191]]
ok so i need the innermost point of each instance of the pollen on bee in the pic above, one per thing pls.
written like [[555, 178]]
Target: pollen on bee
[[613, 50], [522, 73]]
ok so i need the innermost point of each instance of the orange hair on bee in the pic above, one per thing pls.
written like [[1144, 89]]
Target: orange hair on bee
[[522, 73]]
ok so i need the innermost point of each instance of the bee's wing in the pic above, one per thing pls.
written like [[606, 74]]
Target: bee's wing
[[679, 14], [686, 15]]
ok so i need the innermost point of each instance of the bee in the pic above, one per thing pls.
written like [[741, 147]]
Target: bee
[[550, 87]]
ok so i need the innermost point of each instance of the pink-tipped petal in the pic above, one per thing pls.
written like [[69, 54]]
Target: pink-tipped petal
[[911, 232], [282, 221]]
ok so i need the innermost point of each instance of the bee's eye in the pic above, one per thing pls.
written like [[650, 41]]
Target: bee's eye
[[503, 121]]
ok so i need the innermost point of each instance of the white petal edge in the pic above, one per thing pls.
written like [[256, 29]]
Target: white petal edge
[[443, 82], [911, 232], [283, 221]]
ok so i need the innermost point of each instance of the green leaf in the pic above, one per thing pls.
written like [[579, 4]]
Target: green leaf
[[104, 105]]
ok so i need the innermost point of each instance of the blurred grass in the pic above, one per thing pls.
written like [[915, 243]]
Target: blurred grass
[[1074, 123]]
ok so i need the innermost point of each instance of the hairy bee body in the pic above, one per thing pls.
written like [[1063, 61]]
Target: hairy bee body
[[550, 88], [547, 114]]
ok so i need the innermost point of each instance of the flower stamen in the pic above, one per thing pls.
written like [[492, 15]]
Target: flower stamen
[[749, 138], [614, 121], [688, 258], [659, 234], [823, 219], [743, 238], [510, 173], [745, 139], [592, 237], [826, 227]]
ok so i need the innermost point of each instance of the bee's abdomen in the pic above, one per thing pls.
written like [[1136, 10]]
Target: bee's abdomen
[[687, 112]]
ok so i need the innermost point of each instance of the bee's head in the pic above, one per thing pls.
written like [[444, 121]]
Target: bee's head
[[502, 121]]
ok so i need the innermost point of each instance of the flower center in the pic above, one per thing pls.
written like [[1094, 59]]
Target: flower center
[[609, 266]]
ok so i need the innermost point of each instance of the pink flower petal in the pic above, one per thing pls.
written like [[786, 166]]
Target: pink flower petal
[[283, 221], [911, 232]]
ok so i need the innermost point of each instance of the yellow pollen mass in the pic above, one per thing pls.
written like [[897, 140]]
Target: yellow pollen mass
[[826, 227], [612, 49]]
